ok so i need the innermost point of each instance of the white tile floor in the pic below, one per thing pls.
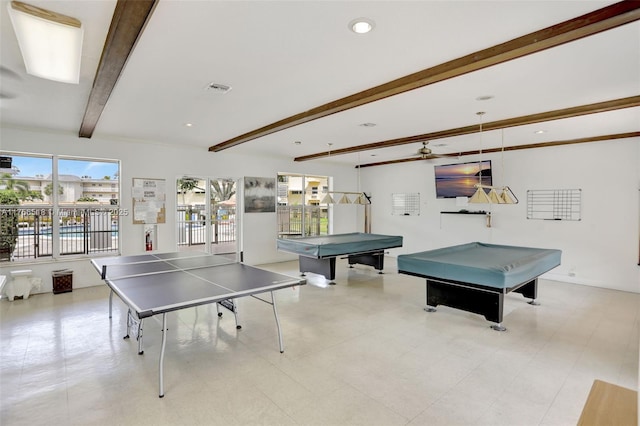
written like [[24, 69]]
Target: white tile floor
[[360, 352]]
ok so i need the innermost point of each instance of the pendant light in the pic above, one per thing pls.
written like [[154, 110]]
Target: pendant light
[[480, 197], [493, 197], [504, 196]]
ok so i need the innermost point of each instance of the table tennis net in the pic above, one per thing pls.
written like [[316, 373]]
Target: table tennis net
[[160, 266]]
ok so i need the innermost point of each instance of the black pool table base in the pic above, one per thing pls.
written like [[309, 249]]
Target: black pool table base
[[483, 300], [327, 266]]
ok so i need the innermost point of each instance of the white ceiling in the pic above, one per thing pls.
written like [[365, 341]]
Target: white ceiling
[[283, 58]]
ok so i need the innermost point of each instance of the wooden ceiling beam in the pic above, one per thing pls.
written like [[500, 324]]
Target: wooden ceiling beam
[[586, 25], [127, 25], [513, 148], [595, 108]]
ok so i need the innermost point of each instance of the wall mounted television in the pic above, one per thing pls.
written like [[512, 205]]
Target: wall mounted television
[[458, 180]]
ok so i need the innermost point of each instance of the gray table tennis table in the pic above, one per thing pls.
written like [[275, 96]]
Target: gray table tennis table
[[156, 284]]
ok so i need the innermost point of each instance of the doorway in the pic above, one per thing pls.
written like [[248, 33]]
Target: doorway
[[206, 215]]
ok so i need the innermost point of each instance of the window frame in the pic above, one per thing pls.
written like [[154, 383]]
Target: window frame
[[85, 242]]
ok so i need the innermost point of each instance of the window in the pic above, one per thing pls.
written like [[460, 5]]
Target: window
[[57, 216], [300, 208]]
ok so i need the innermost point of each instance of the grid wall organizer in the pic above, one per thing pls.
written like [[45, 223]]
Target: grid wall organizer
[[554, 204]]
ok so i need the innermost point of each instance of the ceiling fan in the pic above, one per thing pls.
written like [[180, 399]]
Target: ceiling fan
[[425, 152]]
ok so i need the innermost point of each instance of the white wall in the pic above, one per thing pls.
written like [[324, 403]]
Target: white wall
[[165, 162], [601, 249]]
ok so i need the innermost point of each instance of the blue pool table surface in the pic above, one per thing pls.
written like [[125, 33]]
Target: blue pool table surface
[[324, 246], [491, 265]]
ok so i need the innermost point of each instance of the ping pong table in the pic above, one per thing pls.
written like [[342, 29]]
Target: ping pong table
[[156, 284]]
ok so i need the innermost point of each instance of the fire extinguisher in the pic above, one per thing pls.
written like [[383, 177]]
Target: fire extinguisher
[[148, 242]]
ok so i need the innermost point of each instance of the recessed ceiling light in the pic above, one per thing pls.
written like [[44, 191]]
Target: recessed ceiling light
[[484, 97], [367, 125], [539, 132], [188, 124], [361, 25]]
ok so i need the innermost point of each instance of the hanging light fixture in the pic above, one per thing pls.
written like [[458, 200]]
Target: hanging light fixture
[[344, 199], [360, 198], [328, 199], [480, 197], [506, 196]]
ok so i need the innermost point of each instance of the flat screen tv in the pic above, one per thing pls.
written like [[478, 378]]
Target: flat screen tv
[[458, 180]]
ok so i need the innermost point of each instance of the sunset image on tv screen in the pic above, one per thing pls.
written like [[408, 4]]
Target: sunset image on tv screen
[[458, 180]]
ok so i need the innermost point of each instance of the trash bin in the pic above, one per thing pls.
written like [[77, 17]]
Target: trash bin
[[62, 281]]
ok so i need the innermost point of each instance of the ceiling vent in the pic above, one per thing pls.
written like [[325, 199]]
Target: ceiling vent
[[218, 88]]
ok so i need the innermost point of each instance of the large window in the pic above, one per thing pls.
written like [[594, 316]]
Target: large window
[[301, 211], [53, 206]]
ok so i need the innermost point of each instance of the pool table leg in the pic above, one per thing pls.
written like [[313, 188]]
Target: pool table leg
[[374, 258], [529, 290], [498, 327], [467, 298], [325, 266]]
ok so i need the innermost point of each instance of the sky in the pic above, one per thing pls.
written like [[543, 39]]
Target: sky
[[462, 169], [31, 166]]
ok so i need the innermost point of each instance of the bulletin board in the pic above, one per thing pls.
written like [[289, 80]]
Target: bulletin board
[[149, 196]]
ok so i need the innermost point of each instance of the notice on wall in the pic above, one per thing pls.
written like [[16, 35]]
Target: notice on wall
[[149, 196]]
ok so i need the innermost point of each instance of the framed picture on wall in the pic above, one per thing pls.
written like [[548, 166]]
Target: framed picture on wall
[[259, 195]]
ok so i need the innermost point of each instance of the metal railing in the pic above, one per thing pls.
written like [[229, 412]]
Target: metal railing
[[81, 230], [297, 221], [192, 225]]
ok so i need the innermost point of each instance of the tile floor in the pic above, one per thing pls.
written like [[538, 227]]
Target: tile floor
[[362, 352]]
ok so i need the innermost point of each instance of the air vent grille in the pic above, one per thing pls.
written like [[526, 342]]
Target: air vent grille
[[218, 88]]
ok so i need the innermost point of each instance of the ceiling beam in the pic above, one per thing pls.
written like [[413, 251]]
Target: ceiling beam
[[595, 22], [127, 25], [595, 108], [513, 148]]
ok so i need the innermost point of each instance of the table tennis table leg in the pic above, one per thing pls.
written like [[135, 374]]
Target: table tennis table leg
[[131, 321], [110, 303], [161, 364], [140, 333], [275, 314], [231, 305], [235, 313]]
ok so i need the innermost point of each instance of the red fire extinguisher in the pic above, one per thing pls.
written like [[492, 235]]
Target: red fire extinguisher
[[148, 242]]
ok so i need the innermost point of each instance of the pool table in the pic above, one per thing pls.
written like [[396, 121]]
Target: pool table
[[318, 254], [476, 276]]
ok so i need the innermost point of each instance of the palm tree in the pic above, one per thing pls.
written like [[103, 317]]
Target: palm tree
[[222, 190], [20, 187], [185, 185]]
